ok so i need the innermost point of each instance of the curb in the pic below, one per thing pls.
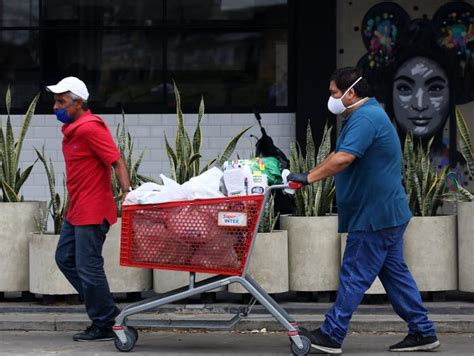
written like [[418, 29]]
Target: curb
[[359, 323]]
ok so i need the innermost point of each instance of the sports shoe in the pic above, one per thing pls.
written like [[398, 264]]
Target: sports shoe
[[416, 342], [321, 341], [94, 333]]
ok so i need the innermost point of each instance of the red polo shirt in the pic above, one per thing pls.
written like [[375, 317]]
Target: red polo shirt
[[89, 151]]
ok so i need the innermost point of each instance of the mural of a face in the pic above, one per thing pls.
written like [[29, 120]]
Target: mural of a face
[[421, 97]]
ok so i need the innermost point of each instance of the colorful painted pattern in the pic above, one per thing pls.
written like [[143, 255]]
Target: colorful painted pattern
[[381, 32], [458, 34]]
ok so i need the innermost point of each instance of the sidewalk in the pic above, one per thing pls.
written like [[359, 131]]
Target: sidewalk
[[456, 317], [213, 343]]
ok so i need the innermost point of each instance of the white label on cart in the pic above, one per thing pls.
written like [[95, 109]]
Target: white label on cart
[[229, 218]]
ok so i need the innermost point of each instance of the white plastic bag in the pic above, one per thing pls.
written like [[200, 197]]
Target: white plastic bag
[[204, 186]]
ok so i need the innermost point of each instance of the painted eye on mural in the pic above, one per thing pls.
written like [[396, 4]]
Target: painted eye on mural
[[435, 88], [404, 89]]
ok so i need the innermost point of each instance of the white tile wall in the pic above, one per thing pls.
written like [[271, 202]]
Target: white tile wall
[[148, 133]]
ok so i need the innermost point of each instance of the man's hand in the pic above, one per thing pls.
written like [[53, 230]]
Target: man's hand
[[298, 178]]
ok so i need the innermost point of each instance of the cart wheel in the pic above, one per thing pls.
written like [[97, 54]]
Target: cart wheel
[[303, 351], [129, 345], [134, 331]]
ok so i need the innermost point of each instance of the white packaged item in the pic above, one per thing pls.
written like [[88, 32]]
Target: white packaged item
[[258, 184], [234, 180]]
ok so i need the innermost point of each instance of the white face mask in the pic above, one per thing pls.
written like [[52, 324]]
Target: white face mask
[[336, 106]]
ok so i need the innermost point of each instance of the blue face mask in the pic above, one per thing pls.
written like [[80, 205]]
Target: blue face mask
[[61, 115]]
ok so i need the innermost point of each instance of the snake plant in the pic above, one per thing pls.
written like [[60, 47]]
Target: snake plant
[[56, 205], [185, 158], [465, 144], [424, 185], [11, 176], [314, 199], [457, 191], [269, 218]]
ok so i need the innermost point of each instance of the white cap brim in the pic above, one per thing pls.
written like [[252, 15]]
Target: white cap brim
[[57, 89]]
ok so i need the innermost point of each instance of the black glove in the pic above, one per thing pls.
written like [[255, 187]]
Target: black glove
[[298, 178]]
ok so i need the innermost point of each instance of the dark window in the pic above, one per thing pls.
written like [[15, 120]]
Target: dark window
[[232, 52]]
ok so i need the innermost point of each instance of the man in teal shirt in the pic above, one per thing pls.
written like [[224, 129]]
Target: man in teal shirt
[[373, 209]]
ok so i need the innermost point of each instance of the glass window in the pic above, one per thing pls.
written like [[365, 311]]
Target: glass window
[[119, 67], [231, 69], [232, 52], [19, 13], [103, 12], [261, 11], [19, 66]]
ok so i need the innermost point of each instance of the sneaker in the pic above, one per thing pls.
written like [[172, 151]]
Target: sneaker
[[321, 341], [94, 333], [416, 342]]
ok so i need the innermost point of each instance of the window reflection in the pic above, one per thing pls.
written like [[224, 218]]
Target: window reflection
[[233, 69], [119, 67], [14, 13], [265, 11], [103, 12], [19, 65]]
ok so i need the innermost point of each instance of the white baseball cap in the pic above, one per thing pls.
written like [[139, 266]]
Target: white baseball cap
[[72, 84]]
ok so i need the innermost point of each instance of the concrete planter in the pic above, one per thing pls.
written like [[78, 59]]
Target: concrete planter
[[17, 221], [376, 287], [466, 246], [45, 276], [430, 251], [268, 263], [122, 279], [314, 252]]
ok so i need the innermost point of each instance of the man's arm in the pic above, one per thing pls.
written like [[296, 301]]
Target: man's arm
[[324, 161], [122, 176], [333, 164]]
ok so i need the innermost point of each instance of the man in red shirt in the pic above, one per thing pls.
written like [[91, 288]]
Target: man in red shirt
[[89, 152]]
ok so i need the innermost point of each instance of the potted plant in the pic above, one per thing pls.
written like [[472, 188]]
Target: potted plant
[[45, 276], [465, 211], [430, 240], [17, 217], [185, 162], [314, 246], [124, 279], [269, 261]]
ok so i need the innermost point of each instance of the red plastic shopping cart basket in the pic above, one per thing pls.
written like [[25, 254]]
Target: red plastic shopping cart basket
[[210, 236]]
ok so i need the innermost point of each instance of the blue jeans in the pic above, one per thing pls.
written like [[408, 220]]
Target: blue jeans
[[367, 255], [79, 257]]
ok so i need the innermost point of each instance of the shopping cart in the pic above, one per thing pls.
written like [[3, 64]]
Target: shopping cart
[[213, 236]]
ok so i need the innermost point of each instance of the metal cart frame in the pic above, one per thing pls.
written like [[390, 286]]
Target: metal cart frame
[[126, 336]]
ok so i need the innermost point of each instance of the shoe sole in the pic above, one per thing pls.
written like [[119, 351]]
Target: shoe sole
[[328, 350], [96, 340], [426, 347]]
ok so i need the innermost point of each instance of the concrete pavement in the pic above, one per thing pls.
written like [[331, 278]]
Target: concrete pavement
[[212, 343]]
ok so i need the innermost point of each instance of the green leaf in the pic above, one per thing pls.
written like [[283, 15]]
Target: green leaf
[[9, 193], [172, 158]]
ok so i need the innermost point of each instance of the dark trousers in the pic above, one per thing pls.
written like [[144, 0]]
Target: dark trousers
[[367, 255], [79, 257]]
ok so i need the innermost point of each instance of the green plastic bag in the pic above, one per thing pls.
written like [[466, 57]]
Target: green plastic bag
[[270, 166]]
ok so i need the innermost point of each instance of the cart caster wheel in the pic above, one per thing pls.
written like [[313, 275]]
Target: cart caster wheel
[[129, 345], [134, 331], [303, 351]]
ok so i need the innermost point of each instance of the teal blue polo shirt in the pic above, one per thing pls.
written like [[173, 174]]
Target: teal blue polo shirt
[[369, 192]]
